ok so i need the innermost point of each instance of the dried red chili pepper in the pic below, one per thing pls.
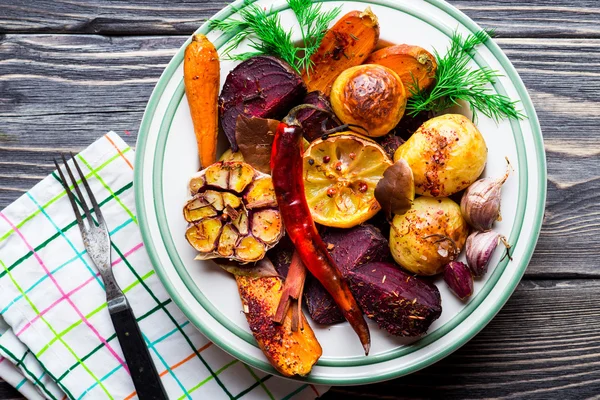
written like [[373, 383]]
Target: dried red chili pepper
[[288, 181]]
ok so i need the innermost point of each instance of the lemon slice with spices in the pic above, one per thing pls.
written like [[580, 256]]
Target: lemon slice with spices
[[340, 175]]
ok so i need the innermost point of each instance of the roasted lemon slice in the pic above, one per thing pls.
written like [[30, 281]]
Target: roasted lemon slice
[[340, 175]]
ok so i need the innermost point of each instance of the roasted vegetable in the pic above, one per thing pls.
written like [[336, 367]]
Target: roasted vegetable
[[459, 279], [395, 192], [446, 155], [349, 248], [401, 304], [370, 97], [288, 181], [201, 77], [263, 87], [480, 204], [314, 122], [233, 213], [229, 155], [413, 64], [390, 143], [479, 248], [290, 352], [254, 137], [428, 236], [348, 43], [353, 247]]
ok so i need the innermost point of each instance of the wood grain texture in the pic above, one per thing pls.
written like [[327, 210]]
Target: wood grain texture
[[71, 70], [70, 89], [542, 345], [7, 392], [527, 18]]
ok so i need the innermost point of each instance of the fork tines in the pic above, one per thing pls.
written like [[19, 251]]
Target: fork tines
[[79, 199]]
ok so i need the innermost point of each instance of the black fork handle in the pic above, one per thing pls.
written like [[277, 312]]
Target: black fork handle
[[143, 371]]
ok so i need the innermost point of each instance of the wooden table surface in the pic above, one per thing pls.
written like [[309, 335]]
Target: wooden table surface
[[71, 70]]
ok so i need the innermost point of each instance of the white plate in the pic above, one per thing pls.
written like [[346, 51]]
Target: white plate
[[167, 157]]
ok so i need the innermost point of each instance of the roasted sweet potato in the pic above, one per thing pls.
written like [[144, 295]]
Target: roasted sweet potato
[[411, 63], [402, 304], [201, 77], [263, 87], [347, 44], [291, 353]]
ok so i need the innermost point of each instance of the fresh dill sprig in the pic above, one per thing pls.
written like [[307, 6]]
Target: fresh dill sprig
[[266, 35], [456, 81]]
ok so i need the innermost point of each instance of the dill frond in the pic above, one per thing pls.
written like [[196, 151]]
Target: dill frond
[[267, 36], [456, 81]]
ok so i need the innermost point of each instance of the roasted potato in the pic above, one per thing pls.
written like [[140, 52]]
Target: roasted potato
[[446, 155], [428, 236], [370, 96]]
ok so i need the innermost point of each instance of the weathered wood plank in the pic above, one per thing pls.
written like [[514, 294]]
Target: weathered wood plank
[[70, 89], [528, 18], [7, 392], [542, 345]]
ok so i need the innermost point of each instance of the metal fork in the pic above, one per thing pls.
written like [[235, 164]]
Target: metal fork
[[97, 243]]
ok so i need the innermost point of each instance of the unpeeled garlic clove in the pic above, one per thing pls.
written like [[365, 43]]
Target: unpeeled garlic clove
[[480, 204], [459, 279], [479, 248]]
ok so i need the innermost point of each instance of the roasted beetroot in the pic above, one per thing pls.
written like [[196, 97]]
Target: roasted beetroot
[[400, 303], [262, 86], [314, 121], [390, 143], [356, 246], [349, 248]]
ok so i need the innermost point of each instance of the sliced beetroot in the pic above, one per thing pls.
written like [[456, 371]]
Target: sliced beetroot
[[263, 87], [390, 143], [350, 248], [400, 303], [281, 255], [313, 121]]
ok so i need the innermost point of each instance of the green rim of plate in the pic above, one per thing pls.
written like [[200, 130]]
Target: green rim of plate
[[353, 361]]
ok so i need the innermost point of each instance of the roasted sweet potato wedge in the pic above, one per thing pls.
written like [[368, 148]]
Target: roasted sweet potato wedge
[[290, 352], [409, 62], [347, 44]]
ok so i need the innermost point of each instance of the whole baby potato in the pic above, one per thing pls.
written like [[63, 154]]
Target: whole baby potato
[[428, 236], [371, 96], [446, 155]]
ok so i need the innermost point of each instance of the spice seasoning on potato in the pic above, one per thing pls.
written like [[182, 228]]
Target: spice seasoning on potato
[[370, 96], [428, 236], [446, 155]]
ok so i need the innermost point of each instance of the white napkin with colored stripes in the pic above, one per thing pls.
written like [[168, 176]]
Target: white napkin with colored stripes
[[58, 340]]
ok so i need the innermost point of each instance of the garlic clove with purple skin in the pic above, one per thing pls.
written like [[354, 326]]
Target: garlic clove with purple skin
[[459, 279], [479, 248], [480, 204]]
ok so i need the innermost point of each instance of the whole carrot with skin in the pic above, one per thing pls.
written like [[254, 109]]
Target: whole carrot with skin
[[288, 181], [201, 77]]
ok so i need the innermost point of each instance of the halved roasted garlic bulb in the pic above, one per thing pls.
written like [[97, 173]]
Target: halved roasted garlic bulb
[[233, 213]]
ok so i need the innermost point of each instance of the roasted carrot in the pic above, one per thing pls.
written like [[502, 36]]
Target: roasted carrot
[[201, 77], [346, 44]]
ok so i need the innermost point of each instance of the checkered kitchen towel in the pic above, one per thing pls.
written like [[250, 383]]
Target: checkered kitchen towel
[[60, 341]]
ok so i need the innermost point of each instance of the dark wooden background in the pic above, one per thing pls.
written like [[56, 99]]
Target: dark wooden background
[[71, 70]]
